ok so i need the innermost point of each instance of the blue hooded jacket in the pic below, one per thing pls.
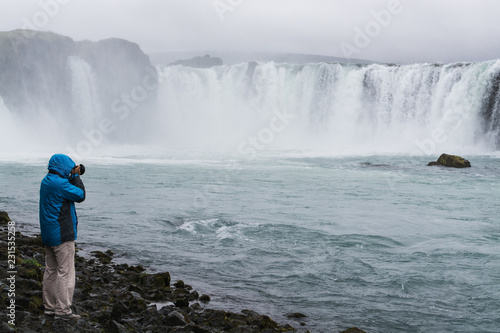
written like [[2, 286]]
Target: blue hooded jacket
[[58, 194]]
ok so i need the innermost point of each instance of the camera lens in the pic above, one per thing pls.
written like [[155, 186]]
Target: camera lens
[[82, 169]]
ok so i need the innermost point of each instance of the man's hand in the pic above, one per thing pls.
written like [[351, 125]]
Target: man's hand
[[76, 170]]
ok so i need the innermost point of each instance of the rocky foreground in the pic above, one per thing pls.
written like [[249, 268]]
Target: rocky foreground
[[113, 297]]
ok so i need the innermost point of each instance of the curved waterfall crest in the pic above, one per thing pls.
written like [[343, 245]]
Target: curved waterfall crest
[[338, 105]]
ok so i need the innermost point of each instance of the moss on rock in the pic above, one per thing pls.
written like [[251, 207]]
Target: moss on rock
[[4, 217], [452, 161]]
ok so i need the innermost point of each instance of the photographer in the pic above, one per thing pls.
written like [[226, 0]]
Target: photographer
[[59, 191]]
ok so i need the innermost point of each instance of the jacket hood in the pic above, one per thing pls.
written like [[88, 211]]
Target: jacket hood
[[62, 164]]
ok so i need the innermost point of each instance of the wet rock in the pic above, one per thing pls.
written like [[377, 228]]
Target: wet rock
[[179, 284], [182, 303], [118, 311], [175, 318], [195, 294], [205, 298], [196, 307], [7, 328], [453, 161], [137, 269], [353, 330], [295, 315], [262, 322], [151, 317], [115, 327], [4, 217], [159, 280], [104, 258]]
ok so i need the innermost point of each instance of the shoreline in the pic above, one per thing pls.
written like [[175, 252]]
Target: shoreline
[[113, 297]]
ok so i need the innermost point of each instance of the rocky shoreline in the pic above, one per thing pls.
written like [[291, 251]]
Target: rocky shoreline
[[114, 297]]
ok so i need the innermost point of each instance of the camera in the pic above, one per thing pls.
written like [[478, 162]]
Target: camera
[[82, 169]]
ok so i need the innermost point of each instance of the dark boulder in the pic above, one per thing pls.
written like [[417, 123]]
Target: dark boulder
[[4, 217], [175, 318], [453, 161], [205, 298], [296, 315]]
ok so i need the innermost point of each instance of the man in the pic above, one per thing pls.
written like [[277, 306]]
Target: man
[[59, 191]]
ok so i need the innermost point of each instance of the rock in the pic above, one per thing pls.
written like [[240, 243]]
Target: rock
[[160, 280], [205, 298], [175, 318], [199, 62], [115, 327], [261, 321], [195, 294], [451, 161], [37, 73], [182, 303], [136, 269], [4, 217], [118, 310], [6, 327], [196, 307], [296, 315], [104, 258], [179, 284], [353, 330]]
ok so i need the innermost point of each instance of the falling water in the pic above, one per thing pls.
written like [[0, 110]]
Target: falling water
[[84, 93], [338, 107]]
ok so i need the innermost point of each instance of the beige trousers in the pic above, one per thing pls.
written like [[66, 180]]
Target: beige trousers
[[59, 278]]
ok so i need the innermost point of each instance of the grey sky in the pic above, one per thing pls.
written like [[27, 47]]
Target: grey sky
[[381, 30]]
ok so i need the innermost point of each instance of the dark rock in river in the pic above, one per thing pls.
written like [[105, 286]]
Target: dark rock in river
[[353, 330], [451, 161], [296, 315]]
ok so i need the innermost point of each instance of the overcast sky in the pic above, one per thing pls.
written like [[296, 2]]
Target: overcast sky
[[381, 30]]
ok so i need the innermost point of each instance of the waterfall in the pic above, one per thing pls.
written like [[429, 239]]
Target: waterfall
[[426, 108], [84, 105], [248, 108], [8, 124]]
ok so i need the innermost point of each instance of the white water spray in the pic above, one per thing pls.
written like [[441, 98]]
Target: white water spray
[[85, 107], [426, 108]]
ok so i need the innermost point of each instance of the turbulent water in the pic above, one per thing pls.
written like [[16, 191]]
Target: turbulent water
[[291, 188], [384, 243]]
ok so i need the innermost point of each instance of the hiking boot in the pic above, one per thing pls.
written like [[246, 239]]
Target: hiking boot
[[68, 316]]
